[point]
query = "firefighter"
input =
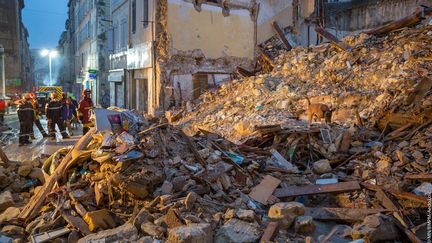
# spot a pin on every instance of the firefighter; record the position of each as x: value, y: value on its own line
x: 53, y: 114
x: 67, y: 113
x: 37, y: 112
x: 26, y: 117
x: 3, y: 107
x: 84, y: 107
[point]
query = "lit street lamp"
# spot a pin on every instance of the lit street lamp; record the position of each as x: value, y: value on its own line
x: 2, y: 73
x: 50, y: 54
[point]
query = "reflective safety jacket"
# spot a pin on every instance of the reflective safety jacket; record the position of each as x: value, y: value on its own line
x: 84, y: 107
x: 25, y: 112
x: 53, y: 110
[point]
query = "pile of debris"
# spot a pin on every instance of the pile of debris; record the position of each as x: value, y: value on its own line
x: 246, y: 169
x: 376, y: 77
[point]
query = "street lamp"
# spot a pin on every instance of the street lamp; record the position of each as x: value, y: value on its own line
x: 50, y: 54
x: 2, y: 73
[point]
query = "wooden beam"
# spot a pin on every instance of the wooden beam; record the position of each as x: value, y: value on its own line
x: 245, y: 73
x: 293, y: 191
x: 193, y: 149
x: 350, y: 215
x: 281, y: 35
x: 31, y: 209
x: 266, y: 57
x: 398, y: 24
x: 419, y: 177
x: 3, y: 157
x: 270, y: 232
x: 398, y: 194
x: 333, y: 39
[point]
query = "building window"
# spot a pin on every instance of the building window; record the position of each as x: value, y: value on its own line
x: 123, y: 33
x: 134, y: 15
x: 145, y: 13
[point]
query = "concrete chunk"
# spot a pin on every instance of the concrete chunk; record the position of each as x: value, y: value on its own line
x: 194, y: 233
x: 6, y: 201
x: 286, y: 212
x: 322, y: 166
x: 374, y: 228
x: 126, y: 231
x: 238, y: 231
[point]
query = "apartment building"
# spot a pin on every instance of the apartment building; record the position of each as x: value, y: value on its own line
x: 13, y: 37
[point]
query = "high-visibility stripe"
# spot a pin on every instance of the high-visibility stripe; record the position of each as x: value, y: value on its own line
x: 57, y: 90
x: 53, y: 108
x: 25, y: 109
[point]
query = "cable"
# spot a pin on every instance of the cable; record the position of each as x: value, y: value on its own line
x: 44, y: 12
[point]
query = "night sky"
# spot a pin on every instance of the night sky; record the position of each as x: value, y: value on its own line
x: 45, y: 21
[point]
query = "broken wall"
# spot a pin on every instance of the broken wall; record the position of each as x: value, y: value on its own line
x: 211, y: 32
x: 191, y: 42
x: 359, y: 15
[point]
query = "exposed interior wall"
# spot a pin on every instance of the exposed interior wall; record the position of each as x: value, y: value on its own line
x: 185, y: 88
x: 273, y: 10
x: 356, y: 15
x: 209, y: 31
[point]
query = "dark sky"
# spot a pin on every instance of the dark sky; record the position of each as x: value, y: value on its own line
x: 45, y: 21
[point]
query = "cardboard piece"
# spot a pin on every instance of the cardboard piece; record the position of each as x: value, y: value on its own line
x: 262, y: 192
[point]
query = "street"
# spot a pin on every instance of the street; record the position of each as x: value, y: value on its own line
x: 39, y: 147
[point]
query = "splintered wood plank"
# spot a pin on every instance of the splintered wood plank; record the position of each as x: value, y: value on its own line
x: 419, y: 177
x: 3, y: 157
x: 281, y: 35
x: 76, y: 222
x: 404, y: 22
x: 333, y: 39
x: 270, y: 232
x: 262, y: 192
x: 400, y: 195
x: 350, y: 215
x: 293, y: 191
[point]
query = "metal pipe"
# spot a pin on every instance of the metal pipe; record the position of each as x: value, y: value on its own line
x: 3, y: 71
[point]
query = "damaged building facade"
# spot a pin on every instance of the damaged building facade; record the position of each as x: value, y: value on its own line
x: 164, y: 53
x: 167, y: 52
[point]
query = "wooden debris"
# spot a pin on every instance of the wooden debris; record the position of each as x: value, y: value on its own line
x: 266, y: 57
x: 49, y: 235
x: 400, y: 195
x: 333, y: 39
x: 193, y: 149
x: 4, y: 157
x: 407, y: 21
x: 281, y: 35
x: 262, y: 192
x: 350, y: 215
x: 31, y: 209
x: 270, y: 232
x: 419, y: 177
x: 245, y: 73
x: 293, y: 191
x: 76, y: 222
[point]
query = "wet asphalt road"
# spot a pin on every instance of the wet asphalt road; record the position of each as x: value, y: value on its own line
x: 39, y: 147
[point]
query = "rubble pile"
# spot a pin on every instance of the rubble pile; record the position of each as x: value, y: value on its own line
x: 377, y: 76
x: 246, y: 169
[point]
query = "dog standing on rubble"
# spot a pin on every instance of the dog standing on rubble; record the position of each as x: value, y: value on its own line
x: 318, y: 111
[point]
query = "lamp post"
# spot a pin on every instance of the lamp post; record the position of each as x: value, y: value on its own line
x: 50, y: 54
x: 2, y: 73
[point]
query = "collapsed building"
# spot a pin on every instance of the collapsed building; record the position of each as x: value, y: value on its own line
x: 183, y: 48
x: 244, y: 166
